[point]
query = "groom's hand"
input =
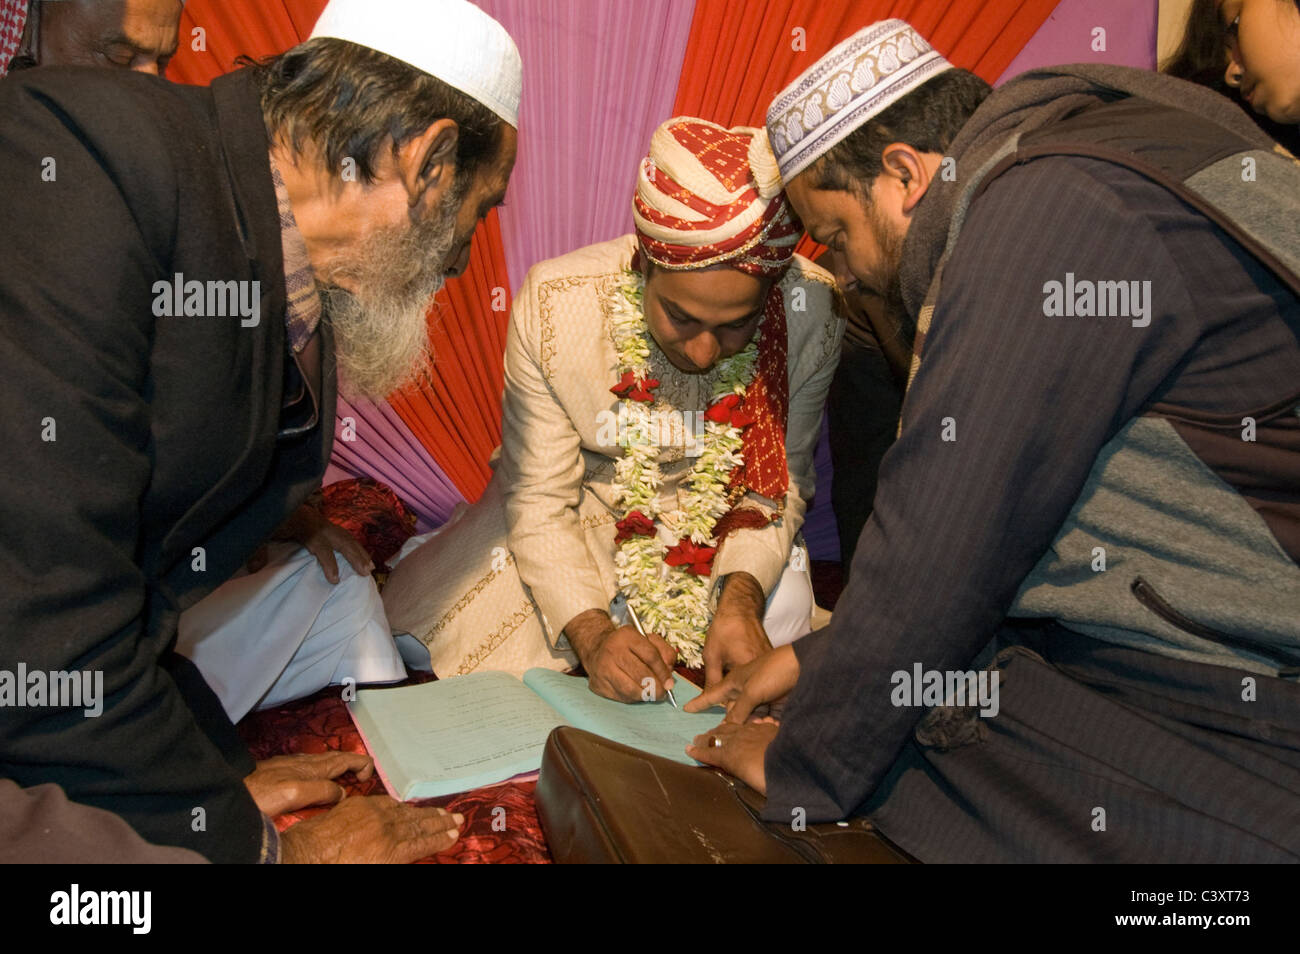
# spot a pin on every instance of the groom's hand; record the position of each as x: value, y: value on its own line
x: 621, y: 664
x: 736, y: 635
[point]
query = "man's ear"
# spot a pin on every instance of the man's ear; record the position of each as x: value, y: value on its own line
x: 428, y: 160
x: 641, y: 263
x: 908, y: 167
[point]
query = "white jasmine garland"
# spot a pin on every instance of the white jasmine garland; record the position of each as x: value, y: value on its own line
x: 670, y: 600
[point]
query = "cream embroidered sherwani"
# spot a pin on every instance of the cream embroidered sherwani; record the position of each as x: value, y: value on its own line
x: 495, y: 589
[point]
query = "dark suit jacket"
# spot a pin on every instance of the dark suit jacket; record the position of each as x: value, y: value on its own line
x: 165, y: 431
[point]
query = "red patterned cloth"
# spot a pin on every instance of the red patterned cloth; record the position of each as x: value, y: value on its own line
x: 13, y: 17
x: 765, y: 470
x: 321, y: 723
x: 372, y: 513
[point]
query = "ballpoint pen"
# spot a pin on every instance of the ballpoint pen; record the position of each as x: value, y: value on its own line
x: 637, y: 623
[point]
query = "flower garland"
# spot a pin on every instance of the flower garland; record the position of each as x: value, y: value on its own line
x: 668, y: 585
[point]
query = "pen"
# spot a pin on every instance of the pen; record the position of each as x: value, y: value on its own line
x: 637, y: 623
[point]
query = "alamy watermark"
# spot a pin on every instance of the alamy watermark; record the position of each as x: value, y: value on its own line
x: 664, y: 428
x: 75, y: 906
x: 81, y: 689
x: 930, y: 687
x: 179, y: 298
x: 1084, y: 298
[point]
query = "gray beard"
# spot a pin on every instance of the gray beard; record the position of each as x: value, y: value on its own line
x: 381, y: 335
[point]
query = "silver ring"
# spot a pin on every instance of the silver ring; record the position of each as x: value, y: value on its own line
x: 715, y: 742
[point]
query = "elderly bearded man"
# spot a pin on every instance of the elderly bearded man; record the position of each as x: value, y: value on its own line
x: 300, y: 618
x: 266, y: 636
x: 1102, y: 497
x: 662, y: 401
x: 167, y: 442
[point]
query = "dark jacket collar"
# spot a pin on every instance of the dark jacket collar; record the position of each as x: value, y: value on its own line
x: 246, y: 150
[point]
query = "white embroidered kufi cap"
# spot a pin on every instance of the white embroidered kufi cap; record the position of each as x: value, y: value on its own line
x: 452, y: 40
x: 855, y: 81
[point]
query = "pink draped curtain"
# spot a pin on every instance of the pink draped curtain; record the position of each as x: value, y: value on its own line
x: 598, y: 78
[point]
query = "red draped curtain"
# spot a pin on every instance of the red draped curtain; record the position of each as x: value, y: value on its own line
x: 457, y: 416
x: 234, y: 28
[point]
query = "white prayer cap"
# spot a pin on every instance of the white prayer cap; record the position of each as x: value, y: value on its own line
x: 855, y: 81
x: 452, y: 40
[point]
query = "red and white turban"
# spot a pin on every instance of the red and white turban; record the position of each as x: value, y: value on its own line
x: 712, y: 196
x: 13, y: 17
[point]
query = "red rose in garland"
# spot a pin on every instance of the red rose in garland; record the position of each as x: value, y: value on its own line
x: 719, y: 412
x: 696, y: 559
x: 635, y: 524
x: 730, y: 410
x: 627, y: 387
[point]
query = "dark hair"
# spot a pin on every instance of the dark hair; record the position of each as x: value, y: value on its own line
x: 1202, y: 58
x: 348, y: 100
x: 928, y: 119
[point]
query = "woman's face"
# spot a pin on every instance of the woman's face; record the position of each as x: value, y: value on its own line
x: 1263, y: 38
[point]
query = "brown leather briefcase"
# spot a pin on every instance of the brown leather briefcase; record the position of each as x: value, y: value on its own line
x: 602, y: 802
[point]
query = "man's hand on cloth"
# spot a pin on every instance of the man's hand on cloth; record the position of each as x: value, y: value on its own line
x: 738, y: 750
x: 371, y: 830
x: 736, y: 635
x: 619, y: 660
x: 287, y: 783
x: 310, y: 528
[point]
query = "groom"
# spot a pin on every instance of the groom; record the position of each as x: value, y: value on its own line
x: 663, y: 393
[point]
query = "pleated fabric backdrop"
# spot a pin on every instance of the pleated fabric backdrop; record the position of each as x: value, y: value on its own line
x: 599, y: 76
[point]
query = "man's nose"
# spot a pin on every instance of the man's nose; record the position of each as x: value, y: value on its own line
x: 834, y: 262
x: 703, y: 350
